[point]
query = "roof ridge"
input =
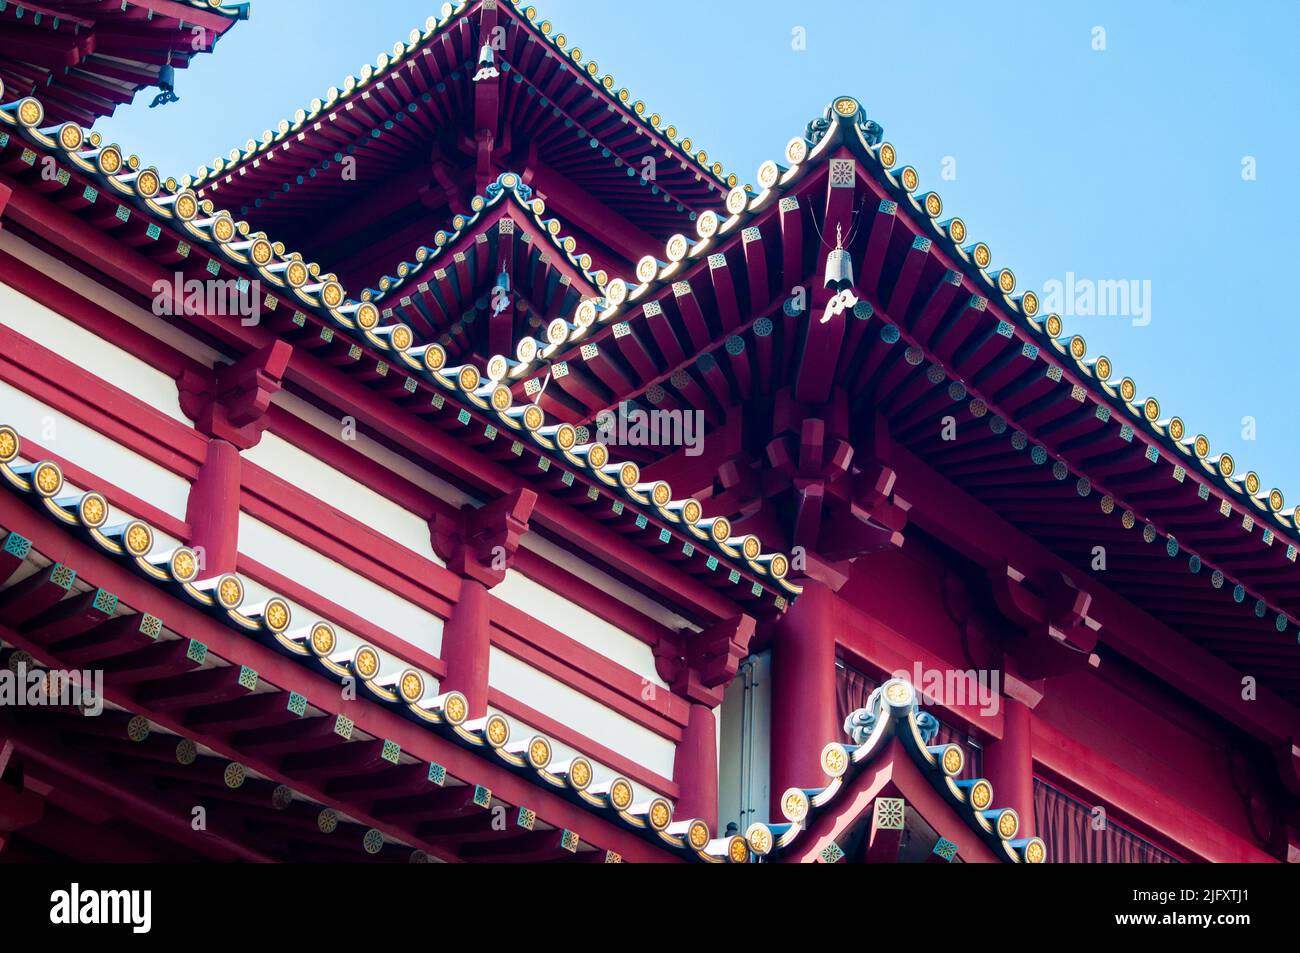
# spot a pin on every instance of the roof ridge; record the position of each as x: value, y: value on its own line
x: 507, y: 185
x: 385, y: 63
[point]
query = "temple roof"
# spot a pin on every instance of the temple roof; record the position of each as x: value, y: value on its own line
x: 86, y: 57
x: 893, y: 713
x: 314, y: 644
x: 482, y: 407
x: 428, y: 127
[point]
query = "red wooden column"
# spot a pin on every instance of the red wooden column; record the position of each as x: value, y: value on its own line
x: 229, y: 406
x: 1009, y: 761
x: 699, y: 667
x: 477, y: 545
x: 803, y: 691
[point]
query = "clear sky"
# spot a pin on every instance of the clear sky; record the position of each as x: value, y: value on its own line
x: 1129, y: 163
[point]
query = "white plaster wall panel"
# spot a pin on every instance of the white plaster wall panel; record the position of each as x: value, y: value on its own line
x: 572, y: 708
x: 354, y: 592
x: 342, y: 492
x: 579, y: 624
x: 624, y: 594
x: 110, y: 363
x: 394, y: 462
x: 92, y: 290
x: 99, y: 455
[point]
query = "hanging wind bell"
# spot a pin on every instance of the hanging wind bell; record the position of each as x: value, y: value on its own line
x: 839, y: 267
x: 486, y: 64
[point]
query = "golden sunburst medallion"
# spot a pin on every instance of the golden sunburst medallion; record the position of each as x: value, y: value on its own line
x: 1103, y: 368
x: 794, y: 805
x: 468, y: 378
x: 1151, y: 409
x: 1227, y: 466
x: 898, y: 692
x: 187, y: 206
x: 706, y: 226
x: 1035, y: 851
x: 1252, y: 482
x: 109, y: 160
x: 502, y: 397
x: 497, y: 731
x: 435, y: 357
x: 184, y: 565
x: 646, y: 269
x: 1054, y: 325
x: 1008, y: 824
x: 276, y: 616
x: 737, y: 850
x: 234, y: 775
x: 779, y: 566
x: 751, y: 547
x: 597, y: 456
x: 737, y: 199
x: 367, y: 316
x: 1177, y: 428
x: 332, y: 294
x: 47, y: 478
x: 759, y: 836
x: 1128, y: 389
x: 909, y: 178
x: 981, y: 795
x: 71, y: 136
x: 401, y: 337
x: 846, y: 106
x: 953, y: 760
x: 9, y: 444
x: 230, y: 591
x: 323, y: 639
x: 661, y: 493
x: 296, y: 274
x: 138, y: 538
x: 535, y: 417
x: 411, y: 685
x: 1029, y: 303
x: 147, y: 183
x: 933, y: 204
x: 365, y: 662
x: 629, y: 474
x: 721, y: 529
x: 456, y: 708
x: 92, y: 510
x: 327, y: 821
x: 223, y: 228
x: 698, y: 834
x: 888, y: 155
x: 957, y: 230
x: 835, y: 759
x: 137, y: 729
x: 1128, y: 519
x: 620, y: 794
x: 1078, y: 347
x: 31, y: 112
x: 1276, y: 500
x: 660, y: 814
x: 982, y: 255
x: 539, y: 752
x: 580, y: 772
x: 261, y: 252
x: 692, y: 512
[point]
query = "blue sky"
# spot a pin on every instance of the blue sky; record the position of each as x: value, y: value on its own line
x: 1117, y: 164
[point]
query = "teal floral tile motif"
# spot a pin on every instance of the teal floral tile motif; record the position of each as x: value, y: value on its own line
x: 526, y: 819
x: 482, y: 796
x: 437, y: 774
x: 392, y: 751
x: 343, y: 727
x: 297, y: 704
x: 569, y: 841
x: 831, y: 853
x: 247, y: 678
x: 945, y: 849
x: 197, y: 652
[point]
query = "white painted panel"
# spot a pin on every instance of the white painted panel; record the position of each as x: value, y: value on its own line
x: 579, y: 624
x: 375, y: 451
x: 585, y: 715
x: 345, y: 494
x: 70, y: 340
x: 340, y: 585
x: 100, y: 456
x: 606, y: 583
x: 92, y: 290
